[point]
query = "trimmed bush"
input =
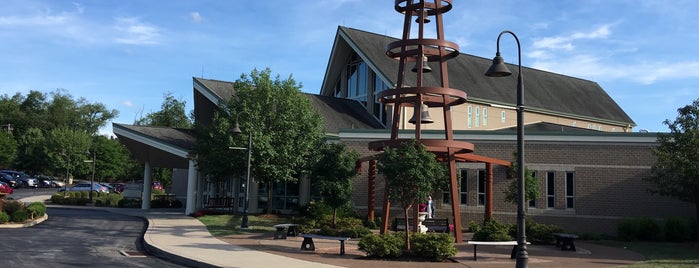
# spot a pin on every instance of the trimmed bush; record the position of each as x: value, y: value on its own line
x: 434, y: 247
x: 4, y: 218
x: 388, y: 245
x: 36, y: 209
x: 348, y: 227
x: 19, y: 216
x: 677, y: 229
x: 493, y: 231
x: 644, y: 229
x: 12, y: 206
x: 541, y: 233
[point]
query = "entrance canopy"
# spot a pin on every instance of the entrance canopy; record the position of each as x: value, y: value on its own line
x: 160, y: 146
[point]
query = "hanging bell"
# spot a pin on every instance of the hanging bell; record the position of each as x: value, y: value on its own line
x: 424, y: 115
x: 425, y: 67
x: 425, y: 17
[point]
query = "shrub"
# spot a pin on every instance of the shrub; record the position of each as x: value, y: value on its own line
x: 639, y: 229
x: 388, y: 245
x: 677, y: 229
x: 130, y: 203
x: 57, y: 198
x: 4, y: 218
x: 12, y: 206
x: 493, y: 231
x: 541, y: 233
x: 348, y: 227
x: 114, y: 198
x: 435, y: 247
x: 36, y: 209
x: 19, y: 216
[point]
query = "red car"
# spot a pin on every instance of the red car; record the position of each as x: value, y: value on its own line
x: 5, y: 188
x: 157, y: 185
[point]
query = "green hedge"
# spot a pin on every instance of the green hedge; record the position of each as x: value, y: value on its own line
x: 672, y: 229
x: 36, y: 209
x: 4, y: 218
x: 430, y: 247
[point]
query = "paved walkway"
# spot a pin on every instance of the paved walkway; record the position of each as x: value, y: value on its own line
x: 172, y: 235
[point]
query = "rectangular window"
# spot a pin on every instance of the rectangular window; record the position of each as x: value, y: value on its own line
x: 468, y: 116
x: 532, y: 203
x: 478, y: 116
x: 463, y: 188
x: 550, y: 189
x: 502, y: 116
x: 485, y: 116
x: 570, y: 190
x: 481, y: 187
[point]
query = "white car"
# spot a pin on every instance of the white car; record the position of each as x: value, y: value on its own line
x: 86, y: 187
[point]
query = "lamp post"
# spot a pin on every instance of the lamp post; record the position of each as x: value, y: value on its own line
x: 498, y: 69
x: 248, y: 149
x: 92, y: 179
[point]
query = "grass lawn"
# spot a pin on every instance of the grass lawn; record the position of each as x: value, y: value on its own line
x: 223, y: 225
x: 661, y: 254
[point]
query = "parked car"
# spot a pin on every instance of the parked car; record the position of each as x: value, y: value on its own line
x: 117, y: 187
x: 56, y: 183
x: 9, y: 180
x: 23, y: 179
x: 6, y: 188
x: 86, y: 187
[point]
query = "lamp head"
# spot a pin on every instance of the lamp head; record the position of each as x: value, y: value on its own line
x: 236, y: 129
x: 498, y: 69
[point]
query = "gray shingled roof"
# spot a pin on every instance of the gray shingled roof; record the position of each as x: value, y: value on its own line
x: 337, y: 113
x: 550, y: 92
x: 340, y: 113
x: 182, y: 138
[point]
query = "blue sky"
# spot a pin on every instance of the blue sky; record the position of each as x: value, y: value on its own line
x: 127, y: 54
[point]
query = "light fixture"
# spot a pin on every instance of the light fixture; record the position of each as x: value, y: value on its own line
x: 424, y: 115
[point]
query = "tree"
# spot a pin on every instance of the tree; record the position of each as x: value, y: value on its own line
x: 8, y: 149
x: 283, y: 125
x: 531, y: 185
x: 172, y: 114
x: 113, y: 159
x: 676, y: 173
x: 332, y: 175
x: 66, y: 149
x: 411, y: 173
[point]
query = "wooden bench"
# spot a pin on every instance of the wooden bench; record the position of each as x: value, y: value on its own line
x: 308, y: 244
x: 220, y: 202
x: 284, y: 230
x: 565, y: 241
x: 475, y: 244
x: 437, y: 225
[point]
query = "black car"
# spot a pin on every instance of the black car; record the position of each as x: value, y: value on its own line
x: 22, y: 179
x: 7, y: 178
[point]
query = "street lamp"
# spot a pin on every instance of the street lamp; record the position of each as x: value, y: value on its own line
x: 236, y: 130
x: 498, y: 69
x: 92, y: 179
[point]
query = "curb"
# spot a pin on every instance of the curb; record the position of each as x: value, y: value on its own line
x: 26, y: 224
x: 154, y: 250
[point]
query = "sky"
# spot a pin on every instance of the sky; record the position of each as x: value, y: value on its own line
x: 128, y: 54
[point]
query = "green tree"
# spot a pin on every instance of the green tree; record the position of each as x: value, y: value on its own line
x: 411, y: 173
x: 67, y: 150
x: 8, y: 149
x: 532, y: 189
x: 676, y: 173
x: 31, y: 151
x: 283, y: 125
x: 332, y: 175
x: 172, y: 114
x: 113, y: 159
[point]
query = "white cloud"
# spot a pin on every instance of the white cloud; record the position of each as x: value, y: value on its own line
x: 196, y: 17
x: 134, y: 32
x: 566, y: 42
x: 127, y: 103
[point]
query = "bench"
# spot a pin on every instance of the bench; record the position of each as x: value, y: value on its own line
x: 433, y: 225
x: 220, y: 202
x: 437, y: 225
x: 494, y: 243
x: 565, y: 241
x: 308, y: 244
x: 284, y: 230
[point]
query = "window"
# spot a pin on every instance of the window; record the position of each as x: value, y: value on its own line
x: 463, y: 188
x: 532, y: 203
x: 481, y: 187
x: 485, y: 116
x: 502, y: 116
x: 285, y: 195
x: 570, y: 190
x: 380, y: 109
x: 338, y: 89
x: 357, y: 80
x: 468, y: 116
x: 550, y: 189
x: 478, y: 116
